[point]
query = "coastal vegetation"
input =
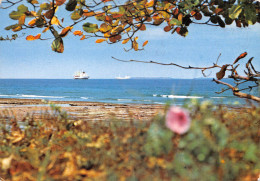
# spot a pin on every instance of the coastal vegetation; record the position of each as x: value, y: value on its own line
x: 212, y: 143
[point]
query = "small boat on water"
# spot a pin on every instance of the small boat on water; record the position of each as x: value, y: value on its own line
x: 81, y: 75
x: 125, y: 77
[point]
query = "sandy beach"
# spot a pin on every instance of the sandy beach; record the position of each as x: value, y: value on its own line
x: 80, y: 110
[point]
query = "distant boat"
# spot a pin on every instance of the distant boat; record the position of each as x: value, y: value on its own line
x: 125, y: 77
x: 81, y: 75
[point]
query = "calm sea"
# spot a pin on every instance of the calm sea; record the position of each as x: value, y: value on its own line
x: 144, y: 91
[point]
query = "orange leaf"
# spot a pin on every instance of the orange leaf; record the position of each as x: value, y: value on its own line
x: 100, y: 40
x: 65, y: 31
x: 18, y: 28
x: 218, y: 10
x: 87, y: 13
x: 176, y: 11
x: 105, y: 1
x: 193, y: 13
x: 114, y: 16
x: 46, y: 29
x: 243, y: 55
x: 125, y: 41
x: 180, y: 17
x: 83, y: 37
x: 32, y: 22
x: 142, y: 27
x: 31, y: 37
x: 60, y: 2
x: 149, y: 4
x: 78, y: 32
x: 145, y: 43
x: 37, y: 36
x: 167, y: 28
x: 21, y: 20
x: 112, y: 39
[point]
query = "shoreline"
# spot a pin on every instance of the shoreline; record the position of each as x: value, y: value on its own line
x: 81, y: 109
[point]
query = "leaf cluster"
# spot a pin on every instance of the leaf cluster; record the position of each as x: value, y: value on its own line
x: 113, y: 22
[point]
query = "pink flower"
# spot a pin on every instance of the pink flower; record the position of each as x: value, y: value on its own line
x: 178, y: 120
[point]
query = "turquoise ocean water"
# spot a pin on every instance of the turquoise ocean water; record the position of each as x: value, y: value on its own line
x: 144, y: 91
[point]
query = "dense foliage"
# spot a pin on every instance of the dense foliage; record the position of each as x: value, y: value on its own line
x: 114, y: 21
x: 221, y: 144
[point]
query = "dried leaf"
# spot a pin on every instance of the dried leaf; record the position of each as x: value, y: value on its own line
x: 222, y: 71
x: 167, y: 28
x: 60, y: 2
x: 135, y: 45
x: 145, y: 43
x: 243, y: 55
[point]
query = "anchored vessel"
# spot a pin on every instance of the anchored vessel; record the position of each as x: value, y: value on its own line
x: 125, y: 77
x: 81, y: 75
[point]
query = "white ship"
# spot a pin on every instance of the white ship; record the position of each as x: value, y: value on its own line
x: 81, y: 75
x: 125, y: 77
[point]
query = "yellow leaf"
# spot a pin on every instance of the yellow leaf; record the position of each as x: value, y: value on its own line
x: 55, y: 21
x: 100, y: 40
x: 180, y: 17
x: 125, y: 41
x: 145, y: 43
x: 128, y: 29
x: 136, y: 38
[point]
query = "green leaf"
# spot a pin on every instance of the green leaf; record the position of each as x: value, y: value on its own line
x: 57, y: 45
x: 235, y: 11
x: 22, y: 8
x: 45, y: 6
x: 11, y: 27
x: 175, y: 22
x: 250, y: 14
x: 90, y: 28
x: 250, y: 153
x: 75, y: 15
x: 15, y: 15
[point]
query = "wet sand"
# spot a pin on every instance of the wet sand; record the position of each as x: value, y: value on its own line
x: 80, y: 110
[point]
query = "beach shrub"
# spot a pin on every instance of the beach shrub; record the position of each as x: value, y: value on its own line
x: 221, y: 144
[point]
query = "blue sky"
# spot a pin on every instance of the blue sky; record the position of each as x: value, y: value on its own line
x: 35, y: 59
